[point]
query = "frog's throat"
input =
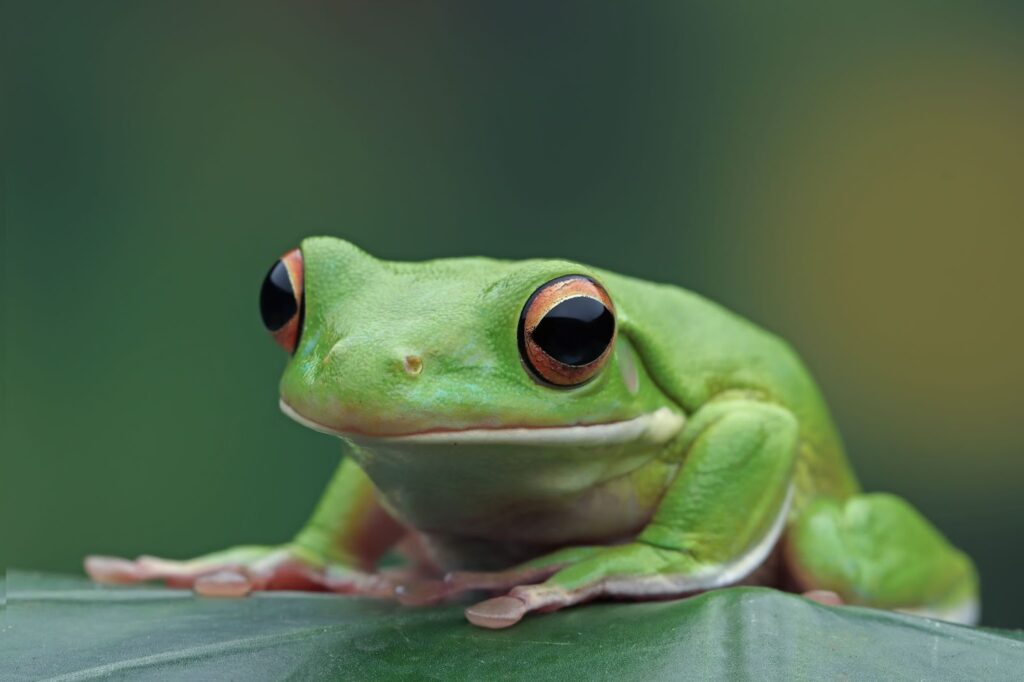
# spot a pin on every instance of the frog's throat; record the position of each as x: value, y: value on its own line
x: 658, y: 426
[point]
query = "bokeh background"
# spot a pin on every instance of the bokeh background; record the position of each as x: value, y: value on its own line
x: 849, y: 177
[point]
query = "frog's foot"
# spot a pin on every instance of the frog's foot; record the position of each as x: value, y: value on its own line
x: 238, y: 571
x: 414, y: 591
x: 420, y: 592
x: 876, y: 550
x: 636, y: 571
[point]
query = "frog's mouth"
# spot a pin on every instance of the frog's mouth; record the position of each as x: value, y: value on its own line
x: 655, y: 427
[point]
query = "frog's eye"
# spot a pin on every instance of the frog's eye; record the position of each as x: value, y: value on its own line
x: 566, y: 330
x: 281, y: 300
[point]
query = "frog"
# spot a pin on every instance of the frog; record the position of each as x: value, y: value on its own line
x: 542, y: 433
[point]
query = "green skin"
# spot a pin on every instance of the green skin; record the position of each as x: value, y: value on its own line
x: 701, y: 455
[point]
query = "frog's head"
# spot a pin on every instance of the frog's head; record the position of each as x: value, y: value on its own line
x: 467, y: 348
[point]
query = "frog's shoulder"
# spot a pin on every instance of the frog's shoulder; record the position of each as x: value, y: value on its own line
x: 697, y: 349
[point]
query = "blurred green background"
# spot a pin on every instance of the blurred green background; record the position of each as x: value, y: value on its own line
x: 851, y: 178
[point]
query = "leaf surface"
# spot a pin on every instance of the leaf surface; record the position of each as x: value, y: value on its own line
x: 59, y: 627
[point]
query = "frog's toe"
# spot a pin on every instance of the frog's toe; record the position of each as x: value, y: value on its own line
x: 418, y: 591
x: 176, y: 573
x: 826, y: 597
x: 497, y: 613
x: 505, y: 611
x: 112, y: 570
x: 115, y: 570
x: 466, y: 581
x: 184, y: 574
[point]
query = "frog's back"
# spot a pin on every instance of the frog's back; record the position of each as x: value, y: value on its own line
x: 698, y: 349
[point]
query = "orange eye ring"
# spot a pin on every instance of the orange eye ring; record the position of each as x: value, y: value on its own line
x: 567, y: 330
x: 281, y: 300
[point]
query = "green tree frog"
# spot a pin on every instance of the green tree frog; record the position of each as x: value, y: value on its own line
x: 551, y: 433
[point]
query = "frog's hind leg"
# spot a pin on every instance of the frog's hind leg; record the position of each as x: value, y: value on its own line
x: 877, y: 550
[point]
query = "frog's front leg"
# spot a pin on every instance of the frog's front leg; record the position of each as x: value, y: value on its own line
x: 336, y: 550
x: 718, y: 521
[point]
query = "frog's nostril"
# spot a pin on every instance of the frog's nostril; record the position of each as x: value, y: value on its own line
x: 413, y: 365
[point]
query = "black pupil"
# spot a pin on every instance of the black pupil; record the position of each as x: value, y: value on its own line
x: 277, y: 299
x: 576, y: 331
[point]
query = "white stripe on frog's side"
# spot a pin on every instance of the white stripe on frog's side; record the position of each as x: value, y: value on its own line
x: 655, y: 427
x: 721, y: 575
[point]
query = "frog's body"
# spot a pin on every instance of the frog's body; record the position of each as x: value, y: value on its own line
x: 695, y: 450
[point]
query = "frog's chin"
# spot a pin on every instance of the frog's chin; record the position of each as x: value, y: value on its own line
x: 658, y: 426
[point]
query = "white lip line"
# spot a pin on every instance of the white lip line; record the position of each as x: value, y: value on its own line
x: 655, y: 427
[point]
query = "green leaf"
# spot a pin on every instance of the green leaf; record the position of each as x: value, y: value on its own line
x: 66, y: 628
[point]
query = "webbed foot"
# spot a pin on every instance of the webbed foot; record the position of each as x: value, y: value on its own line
x: 634, y: 570
x: 238, y: 571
